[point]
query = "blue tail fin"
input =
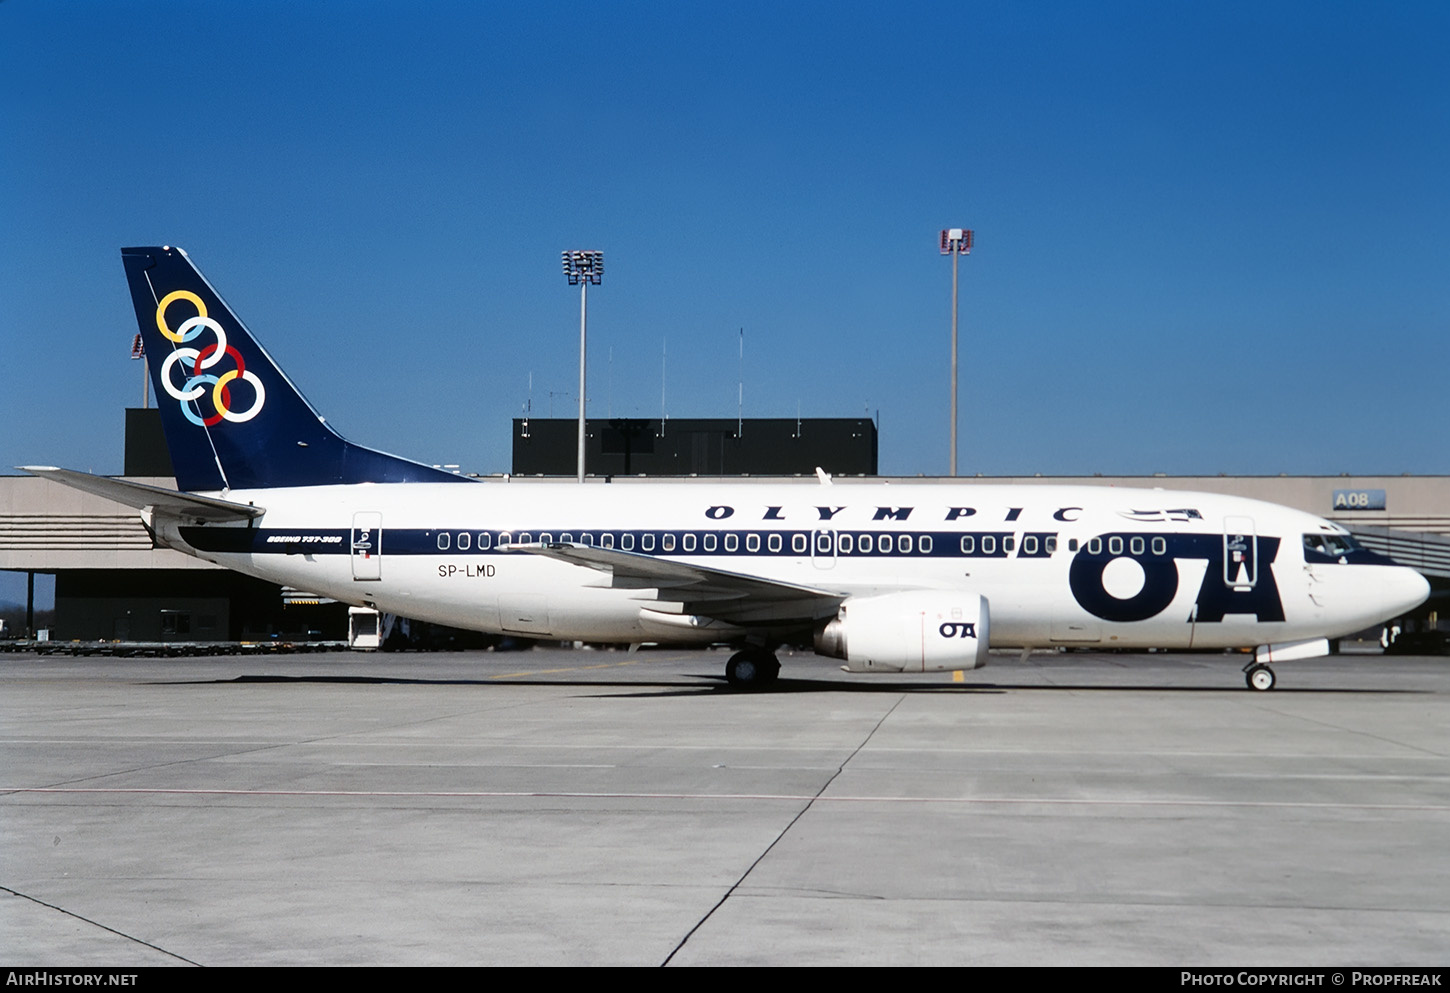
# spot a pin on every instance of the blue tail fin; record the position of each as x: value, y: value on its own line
x: 232, y: 419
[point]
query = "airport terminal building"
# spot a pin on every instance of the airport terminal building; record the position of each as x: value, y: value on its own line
x: 113, y: 583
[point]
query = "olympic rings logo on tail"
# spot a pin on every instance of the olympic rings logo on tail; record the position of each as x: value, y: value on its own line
x: 194, y: 360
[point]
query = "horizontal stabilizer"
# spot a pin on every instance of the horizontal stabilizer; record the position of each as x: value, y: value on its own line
x: 161, y: 501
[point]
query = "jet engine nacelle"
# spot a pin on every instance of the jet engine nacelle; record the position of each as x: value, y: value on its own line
x: 917, y: 631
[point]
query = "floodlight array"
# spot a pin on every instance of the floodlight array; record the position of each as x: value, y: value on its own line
x: 956, y: 241
x: 583, y: 266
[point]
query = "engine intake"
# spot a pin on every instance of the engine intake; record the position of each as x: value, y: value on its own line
x: 916, y: 631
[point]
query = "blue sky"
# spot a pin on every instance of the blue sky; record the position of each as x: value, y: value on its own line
x: 1211, y: 237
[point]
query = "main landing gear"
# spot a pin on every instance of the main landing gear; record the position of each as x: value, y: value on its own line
x: 1259, y: 676
x: 752, y: 669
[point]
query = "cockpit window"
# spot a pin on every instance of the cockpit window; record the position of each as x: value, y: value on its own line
x: 1328, y: 547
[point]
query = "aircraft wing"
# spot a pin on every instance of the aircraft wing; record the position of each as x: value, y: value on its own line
x: 160, y: 501
x: 736, y: 598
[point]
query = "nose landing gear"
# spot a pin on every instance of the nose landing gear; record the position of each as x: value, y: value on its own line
x: 1258, y: 676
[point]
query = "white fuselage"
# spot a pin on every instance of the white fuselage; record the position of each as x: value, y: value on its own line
x: 1058, y: 565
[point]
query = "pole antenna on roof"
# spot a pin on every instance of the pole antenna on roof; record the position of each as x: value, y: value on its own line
x: 740, y: 397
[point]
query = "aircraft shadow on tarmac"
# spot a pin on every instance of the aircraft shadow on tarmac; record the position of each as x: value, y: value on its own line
x: 709, y: 684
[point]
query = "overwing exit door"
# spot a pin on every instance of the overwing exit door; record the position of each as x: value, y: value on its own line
x: 823, y: 548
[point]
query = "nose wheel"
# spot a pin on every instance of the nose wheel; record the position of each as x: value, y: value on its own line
x: 1259, y: 677
x: 752, y: 669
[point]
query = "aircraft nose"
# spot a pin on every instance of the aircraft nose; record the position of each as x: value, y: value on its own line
x: 1404, y: 590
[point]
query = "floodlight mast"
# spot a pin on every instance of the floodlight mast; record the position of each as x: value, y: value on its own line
x: 583, y: 268
x: 955, y: 242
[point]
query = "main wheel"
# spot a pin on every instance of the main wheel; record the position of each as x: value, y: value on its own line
x: 752, y: 669
x: 1259, y: 677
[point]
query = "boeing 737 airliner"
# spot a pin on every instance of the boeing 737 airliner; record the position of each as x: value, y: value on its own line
x: 889, y: 578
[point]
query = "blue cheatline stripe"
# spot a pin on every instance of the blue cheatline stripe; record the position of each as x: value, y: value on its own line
x: 842, y: 543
